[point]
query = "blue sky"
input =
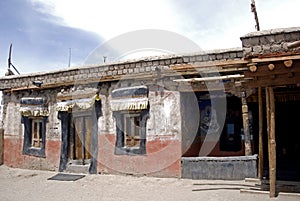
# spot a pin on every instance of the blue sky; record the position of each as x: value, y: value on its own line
x: 42, y: 31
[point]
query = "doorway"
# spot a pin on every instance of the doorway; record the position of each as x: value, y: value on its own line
x: 288, y: 140
x: 80, y: 141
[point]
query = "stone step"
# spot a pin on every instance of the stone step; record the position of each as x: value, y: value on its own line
x: 84, y: 169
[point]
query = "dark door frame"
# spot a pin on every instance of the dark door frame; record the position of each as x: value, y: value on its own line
x: 65, y: 118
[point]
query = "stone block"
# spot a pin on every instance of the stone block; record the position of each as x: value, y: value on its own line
x: 271, y: 39
x: 219, y: 56
x: 279, y: 38
x: 226, y: 56
x: 248, y: 50
x: 263, y: 40
x: 142, y: 70
x: 179, y: 60
x: 192, y: 59
x: 276, y: 48
x: 161, y: 62
x: 155, y: 63
x: 257, y: 49
x: 228, y: 168
x: 232, y: 55
x: 290, y: 37
x: 186, y: 59
x: 148, y: 69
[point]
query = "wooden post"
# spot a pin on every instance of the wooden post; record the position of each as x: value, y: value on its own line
x: 248, y: 149
x: 271, y: 139
x: 260, y: 133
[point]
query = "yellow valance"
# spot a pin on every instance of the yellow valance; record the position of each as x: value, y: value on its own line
x: 34, y: 106
x: 83, y: 104
x: 130, y: 98
x: 129, y: 104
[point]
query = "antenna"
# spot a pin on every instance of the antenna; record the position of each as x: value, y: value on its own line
x: 70, y: 53
x: 253, y: 9
x: 10, y: 63
x: 104, y: 58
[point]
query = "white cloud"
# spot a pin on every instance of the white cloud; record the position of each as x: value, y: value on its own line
x: 209, y: 25
x: 113, y: 17
x: 278, y: 14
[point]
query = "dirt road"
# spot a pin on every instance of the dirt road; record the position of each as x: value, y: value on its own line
x: 34, y: 185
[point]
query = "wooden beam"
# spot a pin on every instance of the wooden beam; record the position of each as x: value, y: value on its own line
x: 294, y: 44
x: 228, y: 63
x: 260, y: 134
x: 265, y: 70
x: 271, y: 139
x: 272, y: 59
x: 203, y: 79
x: 280, y: 80
x: 288, y: 63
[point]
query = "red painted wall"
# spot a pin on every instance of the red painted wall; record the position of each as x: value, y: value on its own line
x: 13, y: 156
x: 194, y: 149
x: 163, y: 158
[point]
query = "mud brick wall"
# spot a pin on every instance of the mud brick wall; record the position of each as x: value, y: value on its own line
x: 115, y: 71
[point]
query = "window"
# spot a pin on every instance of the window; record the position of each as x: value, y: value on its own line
x: 36, y: 133
x: 130, y: 108
x: 132, y: 130
x: 34, y: 113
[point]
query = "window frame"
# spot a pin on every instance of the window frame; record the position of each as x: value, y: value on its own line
x: 121, y: 147
x: 28, y: 148
x: 132, y: 132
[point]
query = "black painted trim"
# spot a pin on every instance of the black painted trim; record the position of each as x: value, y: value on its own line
x: 94, y: 148
x: 120, y: 148
x: 27, y: 148
x: 65, y: 118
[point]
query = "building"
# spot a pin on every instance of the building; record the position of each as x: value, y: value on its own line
x: 200, y: 115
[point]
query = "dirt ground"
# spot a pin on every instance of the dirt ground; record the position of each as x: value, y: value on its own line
x: 33, y: 185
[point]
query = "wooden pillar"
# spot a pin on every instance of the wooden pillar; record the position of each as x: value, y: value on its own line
x: 248, y: 149
x: 271, y: 139
x: 260, y: 134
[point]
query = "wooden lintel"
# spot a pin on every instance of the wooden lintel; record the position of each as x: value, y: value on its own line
x: 280, y: 80
x: 263, y: 70
x: 272, y: 59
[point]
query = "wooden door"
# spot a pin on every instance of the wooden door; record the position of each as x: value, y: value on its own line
x: 81, y: 138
